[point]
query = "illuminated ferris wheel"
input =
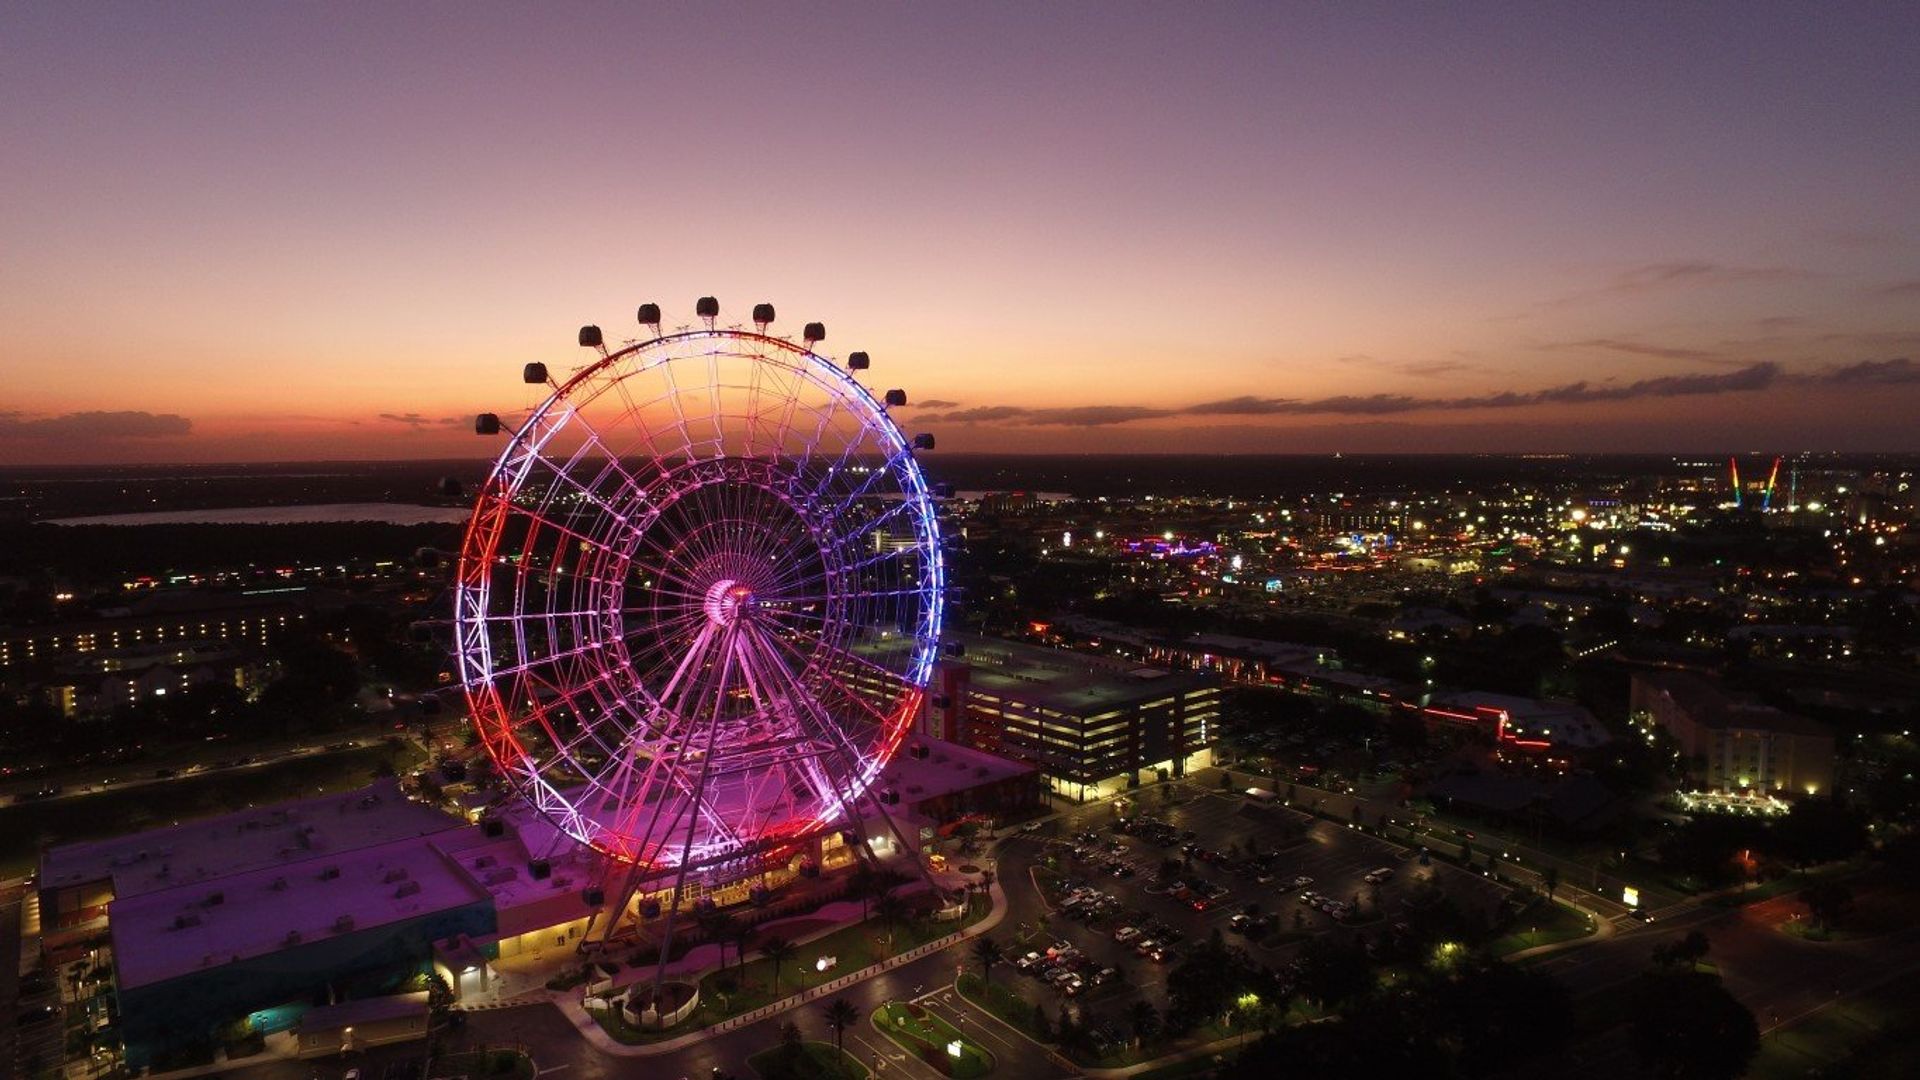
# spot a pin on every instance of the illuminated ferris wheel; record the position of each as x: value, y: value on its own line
x: 700, y: 594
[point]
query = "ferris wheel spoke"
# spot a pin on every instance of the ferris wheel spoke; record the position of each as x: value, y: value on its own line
x: 678, y: 597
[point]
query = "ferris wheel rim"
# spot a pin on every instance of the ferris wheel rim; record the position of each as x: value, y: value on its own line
x: 491, y: 514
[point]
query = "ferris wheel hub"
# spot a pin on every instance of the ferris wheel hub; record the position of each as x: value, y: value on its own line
x: 727, y: 602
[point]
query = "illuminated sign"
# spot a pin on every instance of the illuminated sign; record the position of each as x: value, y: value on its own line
x: 1630, y: 896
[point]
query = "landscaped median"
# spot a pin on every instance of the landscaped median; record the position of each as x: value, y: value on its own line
x: 807, y: 1061
x: 1543, y: 924
x: 484, y: 1065
x: 738, y: 989
x: 933, y: 1040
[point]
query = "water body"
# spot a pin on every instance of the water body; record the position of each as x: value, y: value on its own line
x: 382, y: 512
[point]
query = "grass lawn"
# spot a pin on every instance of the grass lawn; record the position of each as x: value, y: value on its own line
x: 815, y: 1061
x: 1867, y: 1036
x: 24, y: 827
x: 1000, y: 1000
x: 485, y: 1065
x: 1543, y: 925
x: 929, y: 1038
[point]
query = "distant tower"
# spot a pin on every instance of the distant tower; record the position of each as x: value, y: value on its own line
x: 1733, y: 467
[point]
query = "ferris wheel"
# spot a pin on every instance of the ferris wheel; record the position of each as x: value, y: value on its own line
x: 700, y: 594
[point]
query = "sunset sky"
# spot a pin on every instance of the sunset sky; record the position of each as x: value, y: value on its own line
x: 300, y: 231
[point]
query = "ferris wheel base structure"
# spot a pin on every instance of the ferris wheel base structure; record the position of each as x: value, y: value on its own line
x: 697, y: 607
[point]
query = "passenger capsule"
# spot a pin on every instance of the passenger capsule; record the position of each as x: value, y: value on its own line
x: 486, y: 424
x: 896, y: 398
x: 814, y: 332
x: 650, y: 315
x: 707, y: 307
x: 762, y: 314
x: 858, y: 361
x: 534, y: 373
x: 589, y: 337
x: 923, y: 441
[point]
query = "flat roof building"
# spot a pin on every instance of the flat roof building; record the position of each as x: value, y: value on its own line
x: 270, y: 912
x: 1090, y: 724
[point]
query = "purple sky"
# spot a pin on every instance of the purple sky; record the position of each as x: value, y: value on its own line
x: 245, y: 231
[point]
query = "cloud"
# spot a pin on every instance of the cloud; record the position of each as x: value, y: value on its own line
x: 1097, y: 415
x: 95, y: 425
x: 1897, y: 372
x: 1421, y: 368
x: 1634, y: 348
x: 981, y: 414
x: 936, y: 403
x: 1747, y: 379
x: 1682, y: 273
x: 1899, y: 288
x: 420, y: 423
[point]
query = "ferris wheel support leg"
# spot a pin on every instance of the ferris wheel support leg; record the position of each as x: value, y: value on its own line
x: 729, y: 656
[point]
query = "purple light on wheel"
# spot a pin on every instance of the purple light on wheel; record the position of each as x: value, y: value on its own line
x: 699, y: 599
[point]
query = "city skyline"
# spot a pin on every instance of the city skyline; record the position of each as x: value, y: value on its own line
x: 244, y: 234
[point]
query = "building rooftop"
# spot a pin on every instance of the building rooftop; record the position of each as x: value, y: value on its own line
x: 1077, y: 684
x: 167, y: 933
x: 946, y: 768
x: 213, y: 848
x: 1710, y: 705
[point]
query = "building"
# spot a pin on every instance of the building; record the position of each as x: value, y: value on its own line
x: 1733, y: 745
x: 316, y: 916
x: 254, y: 619
x: 261, y: 913
x: 1090, y: 724
x: 1559, y: 727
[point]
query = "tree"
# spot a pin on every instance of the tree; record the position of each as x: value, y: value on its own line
x: 1551, y: 879
x: 777, y: 950
x: 720, y: 929
x: 792, y: 1044
x: 1819, y: 830
x: 864, y: 883
x: 1334, y: 971
x: 891, y: 911
x: 1688, y: 950
x: 1685, y: 1026
x: 1144, y: 1019
x: 986, y: 953
x: 841, y: 1015
x: 1226, y: 781
x: 1827, y: 901
x: 1466, y: 853
x: 743, y: 933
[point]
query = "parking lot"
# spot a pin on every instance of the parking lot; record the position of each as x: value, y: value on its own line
x: 1123, y: 911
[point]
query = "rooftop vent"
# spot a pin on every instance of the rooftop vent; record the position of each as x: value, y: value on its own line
x: 343, y: 924
x: 330, y: 873
x: 181, y: 922
x: 398, y: 873
x: 406, y: 889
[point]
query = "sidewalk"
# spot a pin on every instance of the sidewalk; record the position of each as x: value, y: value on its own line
x: 571, y: 1008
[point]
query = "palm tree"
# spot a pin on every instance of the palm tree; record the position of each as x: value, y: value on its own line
x: 891, y: 911
x: 743, y: 935
x: 776, y: 950
x: 863, y: 883
x: 721, y: 929
x: 841, y: 1015
x: 986, y: 953
x: 1144, y: 1019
